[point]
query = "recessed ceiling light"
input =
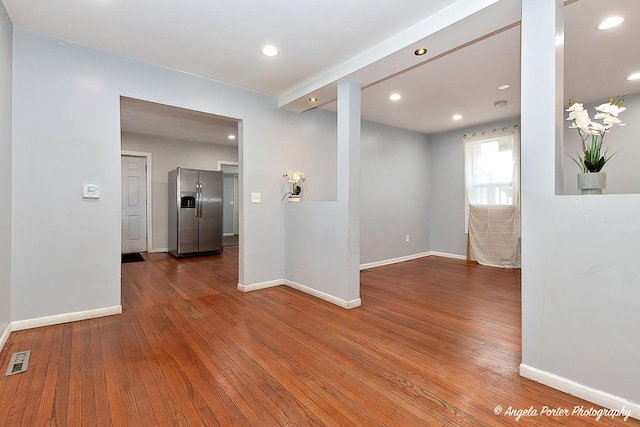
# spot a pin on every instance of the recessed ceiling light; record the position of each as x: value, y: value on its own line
x: 456, y: 117
x: 634, y: 76
x: 610, y: 22
x: 232, y: 137
x: 395, y: 96
x: 312, y: 99
x: 420, y: 52
x: 504, y: 87
x: 501, y: 103
x: 270, y: 50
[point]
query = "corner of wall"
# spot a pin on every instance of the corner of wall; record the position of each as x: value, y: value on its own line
x: 6, y: 170
x: 5, y: 331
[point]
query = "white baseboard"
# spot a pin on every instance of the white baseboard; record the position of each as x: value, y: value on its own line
x: 579, y: 390
x: 4, y: 336
x: 19, y: 325
x: 157, y: 250
x: 329, y: 298
x: 393, y: 260
x: 448, y: 255
x: 261, y: 285
x: 409, y: 258
x: 302, y: 288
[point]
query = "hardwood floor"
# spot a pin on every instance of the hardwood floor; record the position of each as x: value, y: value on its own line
x: 435, y: 342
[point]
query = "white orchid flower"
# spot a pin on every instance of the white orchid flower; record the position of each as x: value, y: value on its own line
x: 611, y: 120
x: 612, y: 109
x: 597, y: 127
x: 294, y: 177
x: 578, y: 115
x: 576, y: 107
x: 580, y: 120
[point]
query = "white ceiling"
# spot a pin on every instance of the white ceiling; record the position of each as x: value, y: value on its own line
x: 331, y: 39
x: 149, y: 118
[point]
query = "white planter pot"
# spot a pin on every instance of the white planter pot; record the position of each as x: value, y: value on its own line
x: 592, y: 182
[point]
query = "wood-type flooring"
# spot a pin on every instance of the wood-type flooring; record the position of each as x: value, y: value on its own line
x: 436, y: 342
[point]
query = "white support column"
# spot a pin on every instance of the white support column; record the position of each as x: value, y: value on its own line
x: 348, y: 151
x: 541, y: 56
x: 580, y: 293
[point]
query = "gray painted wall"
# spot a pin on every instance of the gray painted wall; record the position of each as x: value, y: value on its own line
x: 322, y: 238
x: 73, y: 93
x: 6, y: 30
x: 580, y: 275
x: 168, y: 154
x: 314, y: 154
x: 395, y: 177
x: 311, y: 235
x: 447, y: 187
x: 623, y: 173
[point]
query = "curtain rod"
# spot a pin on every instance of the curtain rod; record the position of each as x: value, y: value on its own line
x: 493, y: 131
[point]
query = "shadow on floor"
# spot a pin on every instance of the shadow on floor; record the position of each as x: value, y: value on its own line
x: 230, y: 240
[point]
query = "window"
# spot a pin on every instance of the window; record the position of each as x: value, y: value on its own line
x: 492, y: 171
x: 492, y: 208
x: 489, y: 171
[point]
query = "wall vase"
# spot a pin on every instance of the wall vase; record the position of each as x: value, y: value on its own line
x: 592, y: 182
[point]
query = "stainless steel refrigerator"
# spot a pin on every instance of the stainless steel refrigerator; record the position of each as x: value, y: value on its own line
x: 195, y: 212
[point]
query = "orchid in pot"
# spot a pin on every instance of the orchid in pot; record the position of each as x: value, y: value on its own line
x: 593, y: 157
x: 294, y: 178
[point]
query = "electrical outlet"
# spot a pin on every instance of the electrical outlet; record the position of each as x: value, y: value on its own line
x: 406, y: 238
x: 256, y: 198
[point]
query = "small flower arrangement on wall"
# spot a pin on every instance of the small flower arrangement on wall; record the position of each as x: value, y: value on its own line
x: 294, y: 178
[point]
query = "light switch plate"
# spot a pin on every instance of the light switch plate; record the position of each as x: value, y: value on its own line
x: 256, y: 198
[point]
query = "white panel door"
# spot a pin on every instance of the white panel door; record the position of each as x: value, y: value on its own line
x: 134, y: 204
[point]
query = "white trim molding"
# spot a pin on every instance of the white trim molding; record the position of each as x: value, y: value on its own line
x: 448, y: 255
x: 20, y: 325
x: 226, y: 163
x: 302, y: 288
x: 4, y: 336
x: 409, y: 258
x: 260, y: 285
x: 393, y: 260
x: 573, y: 388
x: 323, y: 296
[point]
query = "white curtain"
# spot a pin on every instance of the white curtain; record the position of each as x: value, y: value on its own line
x: 492, y: 191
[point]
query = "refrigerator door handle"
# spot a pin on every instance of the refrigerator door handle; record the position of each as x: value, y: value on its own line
x: 198, y: 200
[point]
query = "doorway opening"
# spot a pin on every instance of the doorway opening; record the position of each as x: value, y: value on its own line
x: 175, y: 137
x: 230, y: 202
